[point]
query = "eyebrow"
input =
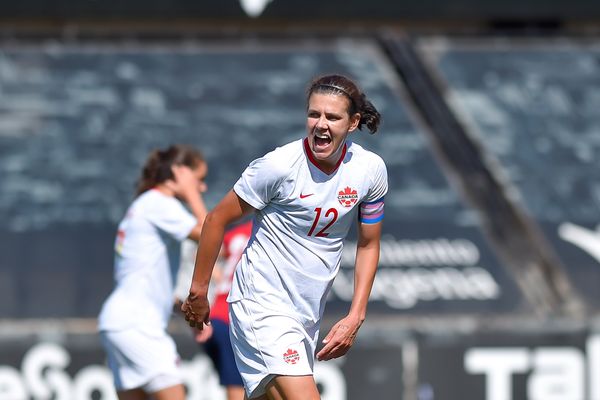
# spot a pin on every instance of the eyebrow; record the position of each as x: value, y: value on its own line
x: 310, y: 110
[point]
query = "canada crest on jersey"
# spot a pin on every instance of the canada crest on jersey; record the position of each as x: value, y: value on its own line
x: 347, y: 197
x: 291, y: 356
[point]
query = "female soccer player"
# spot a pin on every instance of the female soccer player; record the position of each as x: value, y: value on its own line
x: 134, y: 318
x: 305, y: 196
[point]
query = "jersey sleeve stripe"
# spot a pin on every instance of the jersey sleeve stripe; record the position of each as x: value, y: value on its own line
x: 371, y: 220
x: 371, y: 207
x: 371, y: 213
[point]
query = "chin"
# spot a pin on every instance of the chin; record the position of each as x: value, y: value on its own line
x: 322, y: 156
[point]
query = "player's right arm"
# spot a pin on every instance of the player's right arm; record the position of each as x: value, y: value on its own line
x: 230, y: 209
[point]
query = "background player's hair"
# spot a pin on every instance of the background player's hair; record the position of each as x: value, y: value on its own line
x: 339, y: 84
x: 157, y: 168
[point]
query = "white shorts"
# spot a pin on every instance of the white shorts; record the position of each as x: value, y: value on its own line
x: 142, y: 359
x: 267, y: 344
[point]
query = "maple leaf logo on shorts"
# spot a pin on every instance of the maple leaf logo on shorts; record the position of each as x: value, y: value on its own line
x: 347, y: 197
x: 291, y: 356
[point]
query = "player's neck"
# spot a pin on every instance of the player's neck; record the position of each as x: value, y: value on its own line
x: 164, y: 189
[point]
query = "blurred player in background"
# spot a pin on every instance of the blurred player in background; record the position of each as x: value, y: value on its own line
x: 134, y: 318
x: 305, y: 196
x: 215, y: 336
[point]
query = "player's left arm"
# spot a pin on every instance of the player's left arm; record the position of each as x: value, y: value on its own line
x: 341, y: 336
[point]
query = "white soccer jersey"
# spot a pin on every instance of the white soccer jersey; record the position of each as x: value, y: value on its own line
x: 147, y: 257
x: 303, y: 217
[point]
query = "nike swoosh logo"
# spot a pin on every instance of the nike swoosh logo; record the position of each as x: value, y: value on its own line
x: 303, y: 196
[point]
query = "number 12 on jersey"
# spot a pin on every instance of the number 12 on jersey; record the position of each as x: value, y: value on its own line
x: 330, y: 215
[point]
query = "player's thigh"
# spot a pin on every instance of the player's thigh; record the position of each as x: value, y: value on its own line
x: 286, y: 387
x: 133, y: 394
x: 176, y: 392
x: 235, y: 392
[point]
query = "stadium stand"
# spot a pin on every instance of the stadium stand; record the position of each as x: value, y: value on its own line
x: 531, y: 105
x: 73, y: 108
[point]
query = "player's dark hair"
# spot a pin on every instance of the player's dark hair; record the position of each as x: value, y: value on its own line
x: 341, y: 85
x: 157, y: 168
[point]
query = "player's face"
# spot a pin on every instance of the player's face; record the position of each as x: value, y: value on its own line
x: 328, y: 124
x: 200, y: 173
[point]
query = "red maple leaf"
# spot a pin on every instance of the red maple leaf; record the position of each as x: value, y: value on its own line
x: 347, y: 190
x: 291, y: 356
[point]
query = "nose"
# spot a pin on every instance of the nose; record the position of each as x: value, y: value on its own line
x: 321, y: 123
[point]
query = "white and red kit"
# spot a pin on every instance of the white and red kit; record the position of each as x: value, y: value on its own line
x: 303, y: 216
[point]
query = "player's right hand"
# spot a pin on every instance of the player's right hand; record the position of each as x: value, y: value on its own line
x: 196, y: 311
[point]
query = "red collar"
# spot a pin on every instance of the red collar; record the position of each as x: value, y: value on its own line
x: 314, y: 161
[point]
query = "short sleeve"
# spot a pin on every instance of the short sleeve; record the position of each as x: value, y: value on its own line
x: 172, y: 217
x: 379, y: 181
x: 371, y: 209
x: 259, y: 182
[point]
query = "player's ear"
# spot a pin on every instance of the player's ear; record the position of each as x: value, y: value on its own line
x: 354, y: 121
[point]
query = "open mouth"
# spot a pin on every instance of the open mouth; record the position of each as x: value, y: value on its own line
x: 322, y: 140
